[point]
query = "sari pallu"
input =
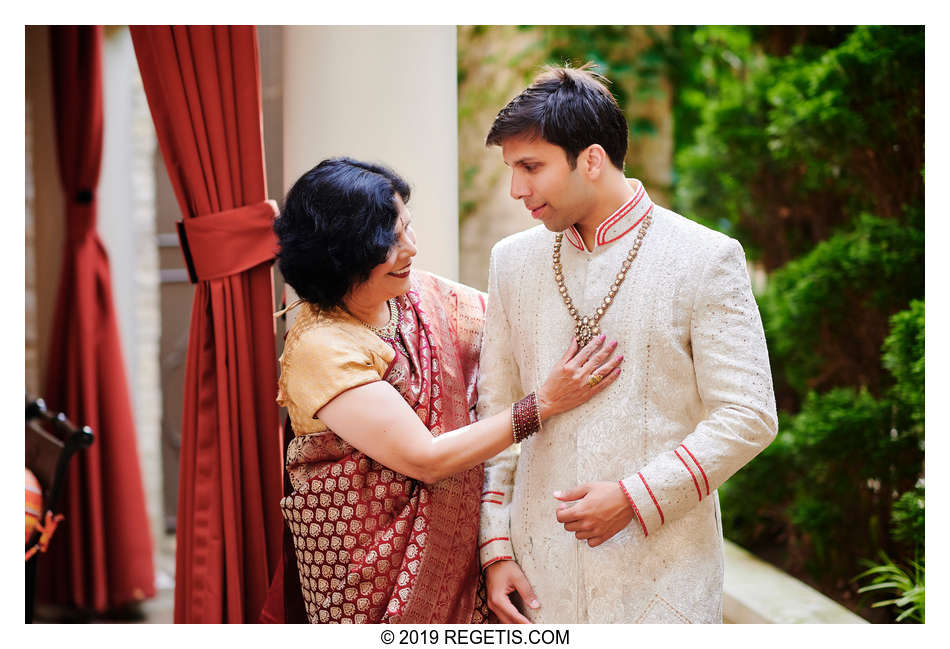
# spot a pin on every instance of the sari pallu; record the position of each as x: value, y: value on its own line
x: 373, y: 545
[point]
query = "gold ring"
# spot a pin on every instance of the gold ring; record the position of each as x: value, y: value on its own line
x: 594, y: 379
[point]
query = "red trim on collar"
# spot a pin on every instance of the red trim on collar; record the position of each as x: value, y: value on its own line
x: 625, y: 209
x: 628, y: 229
x: 609, y: 223
x: 574, y: 238
x: 600, y: 236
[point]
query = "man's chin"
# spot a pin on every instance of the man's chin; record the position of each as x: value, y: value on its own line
x: 554, y: 227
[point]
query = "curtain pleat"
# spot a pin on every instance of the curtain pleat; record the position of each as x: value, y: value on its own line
x: 203, y: 89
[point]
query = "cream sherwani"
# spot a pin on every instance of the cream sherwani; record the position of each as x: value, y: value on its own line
x: 692, y: 405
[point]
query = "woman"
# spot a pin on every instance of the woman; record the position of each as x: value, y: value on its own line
x: 378, y: 377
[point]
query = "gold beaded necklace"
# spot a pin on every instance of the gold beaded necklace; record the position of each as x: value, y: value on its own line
x: 390, y: 331
x: 588, y: 326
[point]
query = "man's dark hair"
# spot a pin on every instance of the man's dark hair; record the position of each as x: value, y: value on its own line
x: 569, y: 107
x: 337, y: 224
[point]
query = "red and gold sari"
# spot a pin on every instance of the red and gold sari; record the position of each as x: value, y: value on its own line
x: 372, y: 545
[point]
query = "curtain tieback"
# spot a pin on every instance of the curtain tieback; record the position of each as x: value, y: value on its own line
x: 226, y: 243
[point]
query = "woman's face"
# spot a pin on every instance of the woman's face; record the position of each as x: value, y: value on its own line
x: 391, y: 278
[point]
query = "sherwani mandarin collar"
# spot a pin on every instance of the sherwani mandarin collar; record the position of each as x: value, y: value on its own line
x: 627, y: 217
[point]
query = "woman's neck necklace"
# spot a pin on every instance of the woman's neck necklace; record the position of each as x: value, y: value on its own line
x: 378, y: 316
x: 388, y: 331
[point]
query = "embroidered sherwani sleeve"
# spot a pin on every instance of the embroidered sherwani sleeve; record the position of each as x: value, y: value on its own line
x: 735, y: 384
x: 499, y: 386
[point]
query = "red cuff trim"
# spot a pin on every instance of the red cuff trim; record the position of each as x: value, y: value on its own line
x: 495, y: 560
x: 496, y: 502
x: 635, y: 510
x: 700, y: 467
x: 497, y: 538
x: 497, y: 493
x: 650, y: 491
x: 691, y: 475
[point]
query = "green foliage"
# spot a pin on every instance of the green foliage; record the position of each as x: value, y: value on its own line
x: 780, y: 150
x: 904, y: 358
x: 907, y: 520
x: 850, y: 462
x: 907, y: 586
x: 829, y: 308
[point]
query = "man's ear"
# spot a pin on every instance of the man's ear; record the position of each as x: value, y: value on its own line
x: 592, y: 161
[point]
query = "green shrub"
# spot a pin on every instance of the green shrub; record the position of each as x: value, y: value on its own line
x: 851, y: 461
x: 907, y: 520
x: 826, y: 313
x: 780, y: 146
x: 904, y: 358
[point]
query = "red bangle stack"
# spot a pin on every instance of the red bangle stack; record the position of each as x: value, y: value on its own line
x: 525, y: 418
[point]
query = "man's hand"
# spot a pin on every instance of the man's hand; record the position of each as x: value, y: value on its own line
x: 501, y: 579
x: 600, y: 512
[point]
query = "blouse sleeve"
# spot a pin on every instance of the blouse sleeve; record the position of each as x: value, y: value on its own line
x: 323, y: 364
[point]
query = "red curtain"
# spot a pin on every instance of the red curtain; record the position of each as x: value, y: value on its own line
x: 101, y: 557
x: 203, y: 89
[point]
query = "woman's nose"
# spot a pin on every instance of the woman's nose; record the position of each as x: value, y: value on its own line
x: 410, y: 248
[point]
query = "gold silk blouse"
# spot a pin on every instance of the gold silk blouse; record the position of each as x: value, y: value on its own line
x: 326, y: 353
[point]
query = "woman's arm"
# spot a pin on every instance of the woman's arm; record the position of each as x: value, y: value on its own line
x: 375, y: 419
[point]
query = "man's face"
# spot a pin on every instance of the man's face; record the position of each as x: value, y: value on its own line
x: 555, y: 194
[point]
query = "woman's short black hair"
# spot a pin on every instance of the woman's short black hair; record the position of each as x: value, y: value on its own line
x: 337, y: 224
x: 569, y: 107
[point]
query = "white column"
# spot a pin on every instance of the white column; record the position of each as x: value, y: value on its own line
x: 115, y: 217
x: 381, y: 94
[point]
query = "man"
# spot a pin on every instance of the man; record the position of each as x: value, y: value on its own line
x: 613, y: 515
